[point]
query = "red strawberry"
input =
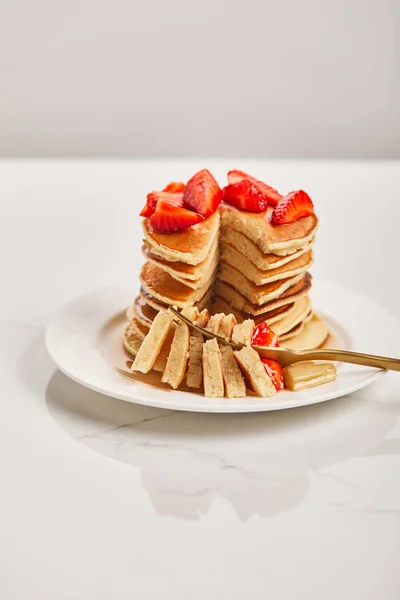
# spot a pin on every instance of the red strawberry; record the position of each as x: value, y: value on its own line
x: 174, y: 187
x: 271, y: 195
x: 171, y: 197
x: 274, y: 370
x: 292, y: 207
x: 202, y: 193
x: 168, y: 218
x: 245, y: 195
x: 264, y: 336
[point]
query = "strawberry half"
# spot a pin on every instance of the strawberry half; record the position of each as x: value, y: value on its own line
x: 171, y: 197
x: 245, y: 195
x: 202, y: 193
x: 274, y: 370
x: 264, y: 336
x: 292, y: 207
x: 270, y: 193
x: 168, y: 218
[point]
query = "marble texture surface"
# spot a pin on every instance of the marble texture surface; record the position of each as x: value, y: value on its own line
x: 104, y: 499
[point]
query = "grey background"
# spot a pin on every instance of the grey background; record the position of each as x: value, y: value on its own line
x: 273, y: 78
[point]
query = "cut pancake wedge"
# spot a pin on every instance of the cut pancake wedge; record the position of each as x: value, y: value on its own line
x: 165, y: 289
x: 238, y: 301
x: 194, y: 377
x: 256, y: 294
x: 253, y: 253
x: 275, y: 239
x: 191, y: 245
x: 181, y: 269
x: 236, y: 259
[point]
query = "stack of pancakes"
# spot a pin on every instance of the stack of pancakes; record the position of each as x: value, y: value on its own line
x: 180, y: 270
x: 263, y: 274
x: 232, y: 262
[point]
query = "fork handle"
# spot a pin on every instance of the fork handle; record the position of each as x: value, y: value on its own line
x: 356, y: 358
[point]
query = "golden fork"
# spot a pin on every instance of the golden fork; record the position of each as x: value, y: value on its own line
x: 288, y: 357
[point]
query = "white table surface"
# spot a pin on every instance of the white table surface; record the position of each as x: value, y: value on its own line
x: 102, y: 499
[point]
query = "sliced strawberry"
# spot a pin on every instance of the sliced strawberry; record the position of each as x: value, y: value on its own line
x: 147, y: 211
x: 202, y: 193
x: 245, y: 195
x: 292, y: 207
x: 172, y: 198
x: 264, y: 336
x: 174, y: 187
x: 274, y: 370
x: 168, y: 218
x: 271, y: 195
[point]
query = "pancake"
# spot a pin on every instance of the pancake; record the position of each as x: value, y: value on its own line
x: 253, y: 369
x: 157, y: 305
x: 243, y: 332
x: 239, y: 302
x: 198, y: 283
x: 302, y: 307
x: 212, y: 373
x: 131, y: 340
x: 194, y: 376
x: 165, y: 289
x: 180, y: 269
x: 143, y: 312
x: 141, y: 330
x: 153, y: 342
x: 256, y: 294
x: 275, y: 239
x: 239, y: 261
x: 255, y: 255
x: 314, y: 334
x: 235, y: 386
x: 175, y: 368
x: 190, y: 245
x: 292, y: 333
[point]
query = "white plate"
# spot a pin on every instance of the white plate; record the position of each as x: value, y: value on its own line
x: 84, y: 340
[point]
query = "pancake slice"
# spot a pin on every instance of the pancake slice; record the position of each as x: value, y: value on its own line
x: 165, y: 289
x: 227, y: 324
x: 175, y: 368
x: 194, y: 377
x: 236, y: 259
x: 253, y: 369
x: 243, y: 332
x: 161, y: 360
x: 214, y: 323
x: 253, y: 253
x: 231, y: 374
x: 275, y: 239
x: 238, y: 301
x: 257, y: 294
x: 212, y: 372
x: 191, y: 245
x: 152, y: 343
